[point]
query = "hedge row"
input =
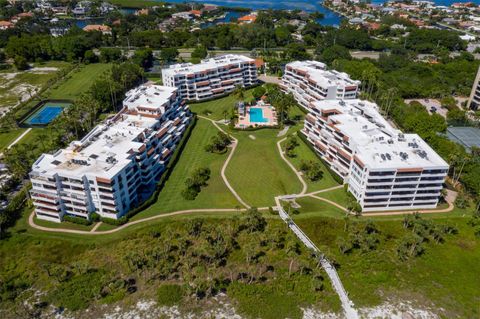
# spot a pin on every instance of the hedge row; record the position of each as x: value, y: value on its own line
x: 335, y: 176
x: 256, y: 128
x: 161, y: 183
x: 94, y: 217
x: 77, y: 220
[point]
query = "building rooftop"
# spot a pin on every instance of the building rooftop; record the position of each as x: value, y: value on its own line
x: 152, y: 96
x: 378, y: 144
x: 467, y: 136
x: 317, y: 72
x: 105, y: 150
x: 212, y: 63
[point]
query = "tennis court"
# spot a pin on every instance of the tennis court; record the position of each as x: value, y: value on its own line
x: 46, y: 113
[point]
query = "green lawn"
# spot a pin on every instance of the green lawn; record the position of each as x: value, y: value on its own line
x: 304, y: 153
x: 446, y: 277
x: 215, y: 195
x: 68, y: 225
x: 78, y: 81
x: 33, y: 135
x: 215, y: 109
x: 312, y: 207
x: 339, y: 196
x: 257, y: 172
x: 8, y: 137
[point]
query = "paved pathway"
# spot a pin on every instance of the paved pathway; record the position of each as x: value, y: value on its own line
x: 269, y: 79
x: 32, y: 224
x: 94, y: 229
x: 19, y: 138
x: 284, y: 131
x: 224, y: 167
x: 331, y: 203
x: 299, y: 176
x: 347, y: 304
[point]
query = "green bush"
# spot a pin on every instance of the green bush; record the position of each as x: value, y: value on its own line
x: 170, y: 166
x: 77, y: 220
x: 78, y: 292
x: 114, y: 222
x: 170, y: 295
x: 334, y: 175
x: 94, y: 217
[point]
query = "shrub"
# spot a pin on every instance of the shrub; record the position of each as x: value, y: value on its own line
x: 170, y: 166
x: 94, y: 217
x: 78, y: 292
x: 77, y: 220
x: 169, y: 295
x: 114, y: 222
x: 312, y: 170
x: 290, y: 146
x: 20, y: 63
x: 334, y: 175
x: 195, y: 183
x: 218, y: 143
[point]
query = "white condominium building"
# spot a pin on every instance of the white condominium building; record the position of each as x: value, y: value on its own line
x: 212, y: 77
x: 116, y: 165
x: 384, y: 169
x: 474, y: 100
x: 310, y: 81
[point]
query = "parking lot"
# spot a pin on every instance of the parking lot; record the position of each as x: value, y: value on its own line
x: 429, y: 104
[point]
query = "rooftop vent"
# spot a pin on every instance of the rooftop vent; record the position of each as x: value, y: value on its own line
x: 79, y: 162
x: 111, y: 160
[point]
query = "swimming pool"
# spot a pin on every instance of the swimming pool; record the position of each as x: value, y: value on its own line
x: 256, y: 115
x: 46, y: 113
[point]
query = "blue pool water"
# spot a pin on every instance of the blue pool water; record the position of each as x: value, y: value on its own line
x: 256, y: 115
x: 45, y: 115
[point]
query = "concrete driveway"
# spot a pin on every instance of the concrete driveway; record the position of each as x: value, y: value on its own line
x: 429, y: 103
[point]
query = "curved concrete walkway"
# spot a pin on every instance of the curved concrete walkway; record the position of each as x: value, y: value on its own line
x: 331, y: 203
x: 94, y: 231
x: 224, y: 167
x: 299, y: 175
x: 450, y: 207
x: 31, y: 221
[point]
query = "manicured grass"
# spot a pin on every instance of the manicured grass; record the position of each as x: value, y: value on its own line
x: 257, y: 172
x: 67, y: 225
x: 215, y: 109
x: 8, y: 137
x: 79, y: 81
x: 312, y: 207
x: 33, y: 136
x: 339, y: 196
x: 446, y: 277
x: 304, y: 153
x: 215, y: 195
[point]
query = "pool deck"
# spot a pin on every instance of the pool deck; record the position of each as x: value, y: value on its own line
x: 268, y: 113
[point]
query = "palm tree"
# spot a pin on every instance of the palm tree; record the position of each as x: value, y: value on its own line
x: 239, y: 92
x: 225, y: 113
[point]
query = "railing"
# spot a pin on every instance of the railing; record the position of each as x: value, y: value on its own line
x: 347, y: 304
